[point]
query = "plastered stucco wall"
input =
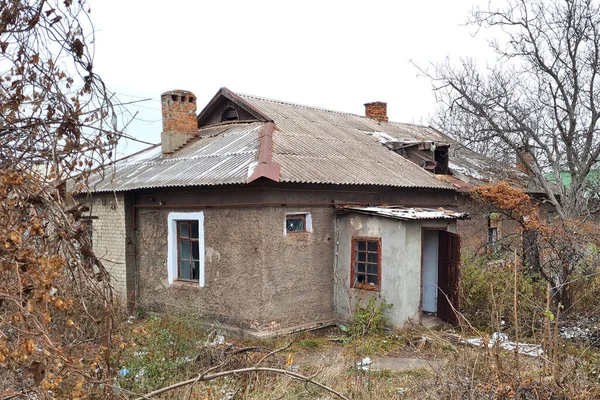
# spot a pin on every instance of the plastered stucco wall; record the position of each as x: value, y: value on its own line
x: 256, y: 277
x: 400, y: 264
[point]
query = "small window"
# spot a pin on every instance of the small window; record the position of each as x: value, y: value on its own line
x: 188, y: 250
x: 229, y: 114
x: 493, y: 243
x: 366, y: 263
x: 298, y: 223
x: 295, y: 223
x: 551, y: 216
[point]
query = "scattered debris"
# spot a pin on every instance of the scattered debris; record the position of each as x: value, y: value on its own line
x: 218, y: 340
x: 365, y: 364
x: 585, y: 330
x: 501, y: 339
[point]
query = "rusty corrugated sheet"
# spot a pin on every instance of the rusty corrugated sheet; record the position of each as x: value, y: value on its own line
x: 210, y: 160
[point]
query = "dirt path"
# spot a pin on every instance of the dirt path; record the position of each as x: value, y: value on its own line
x: 393, y: 363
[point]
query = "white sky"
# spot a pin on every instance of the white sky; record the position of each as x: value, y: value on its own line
x: 329, y: 53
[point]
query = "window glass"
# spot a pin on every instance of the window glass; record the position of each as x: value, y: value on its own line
x: 295, y: 224
x: 184, y: 269
x: 188, y: 250
x: 194, y: 229
x: 183, y: 229
x: 366, y: 268
x: 184, y: 250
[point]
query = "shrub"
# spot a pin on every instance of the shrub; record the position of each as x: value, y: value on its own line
x: 487, y: 295
x: 371, y: 318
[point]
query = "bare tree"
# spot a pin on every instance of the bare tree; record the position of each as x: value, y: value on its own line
x: 56, y: 124
x: 542, y: 96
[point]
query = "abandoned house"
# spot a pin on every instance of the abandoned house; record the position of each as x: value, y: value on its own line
x: 270, y: 217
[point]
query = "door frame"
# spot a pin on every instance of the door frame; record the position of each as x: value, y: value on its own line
x: 423, y: 229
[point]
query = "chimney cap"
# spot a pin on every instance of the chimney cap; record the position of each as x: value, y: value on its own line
x: 177, y: 91
x: 376, y: 103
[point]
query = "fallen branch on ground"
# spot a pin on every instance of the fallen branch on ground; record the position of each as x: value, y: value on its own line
x: 202, y: 377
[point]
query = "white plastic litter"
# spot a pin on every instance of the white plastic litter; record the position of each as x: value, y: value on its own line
x: 365, y: 364
x: 528, y: 349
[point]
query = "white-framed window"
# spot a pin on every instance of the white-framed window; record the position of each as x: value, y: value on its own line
x: 186, y: 247
x: 300, y: 222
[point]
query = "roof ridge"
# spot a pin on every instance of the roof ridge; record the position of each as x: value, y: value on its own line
x: 289, y: 103
x: 260, y: 98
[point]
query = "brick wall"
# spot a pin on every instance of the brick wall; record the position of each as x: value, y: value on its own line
x: 377, y: 111
x: 109, y: 237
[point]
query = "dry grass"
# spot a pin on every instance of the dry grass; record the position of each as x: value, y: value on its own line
x: 455, y: 371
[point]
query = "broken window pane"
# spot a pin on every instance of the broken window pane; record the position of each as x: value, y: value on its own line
x: 360, y: 278
x: 294, y: 224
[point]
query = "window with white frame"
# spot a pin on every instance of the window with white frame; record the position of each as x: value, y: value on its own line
x: 297, y: 223
x: 186, y: 247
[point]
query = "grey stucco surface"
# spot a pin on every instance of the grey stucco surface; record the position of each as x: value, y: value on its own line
x: 400, y: 264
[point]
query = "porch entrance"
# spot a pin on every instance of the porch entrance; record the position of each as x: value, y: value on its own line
x: 440, y: 274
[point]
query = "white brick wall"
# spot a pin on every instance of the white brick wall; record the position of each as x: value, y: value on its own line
x: 108, y: 237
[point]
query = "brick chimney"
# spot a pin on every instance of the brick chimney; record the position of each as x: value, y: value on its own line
x: 377, y: 111
x: 179, y: 119
x: 529, y: 158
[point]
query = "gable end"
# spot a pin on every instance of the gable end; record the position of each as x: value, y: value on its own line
x: 227, y: 106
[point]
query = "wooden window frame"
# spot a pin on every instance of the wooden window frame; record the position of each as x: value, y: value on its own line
x: 301, y: 216
x: 189, y: 239
x: 493, y: 226
x: 172, y: 246
x: 365, y: 286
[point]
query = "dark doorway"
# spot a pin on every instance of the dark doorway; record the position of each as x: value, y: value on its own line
x: 441, y: 274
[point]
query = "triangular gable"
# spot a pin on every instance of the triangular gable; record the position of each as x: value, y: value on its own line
x: 226, y: 104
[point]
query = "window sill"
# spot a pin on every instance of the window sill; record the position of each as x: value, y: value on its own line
x: 185, y: 283
x: 372, y: 288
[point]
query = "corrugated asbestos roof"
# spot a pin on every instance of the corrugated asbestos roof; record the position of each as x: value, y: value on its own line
x: 224, y: 154
x: 408, y: 214
x: 314, y: 145
x: 311, y: 145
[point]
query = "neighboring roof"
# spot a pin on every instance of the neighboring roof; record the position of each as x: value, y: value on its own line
x: 408, y: 214
x: 307, y: 145
x: 223, y: 154
x: 592, y: 178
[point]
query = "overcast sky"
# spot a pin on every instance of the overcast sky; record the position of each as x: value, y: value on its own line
x: 331, y: 54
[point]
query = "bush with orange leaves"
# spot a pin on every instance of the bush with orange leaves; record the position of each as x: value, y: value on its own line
x: 567, y: 249
x: 57, y: 124
x: 55, y: 298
